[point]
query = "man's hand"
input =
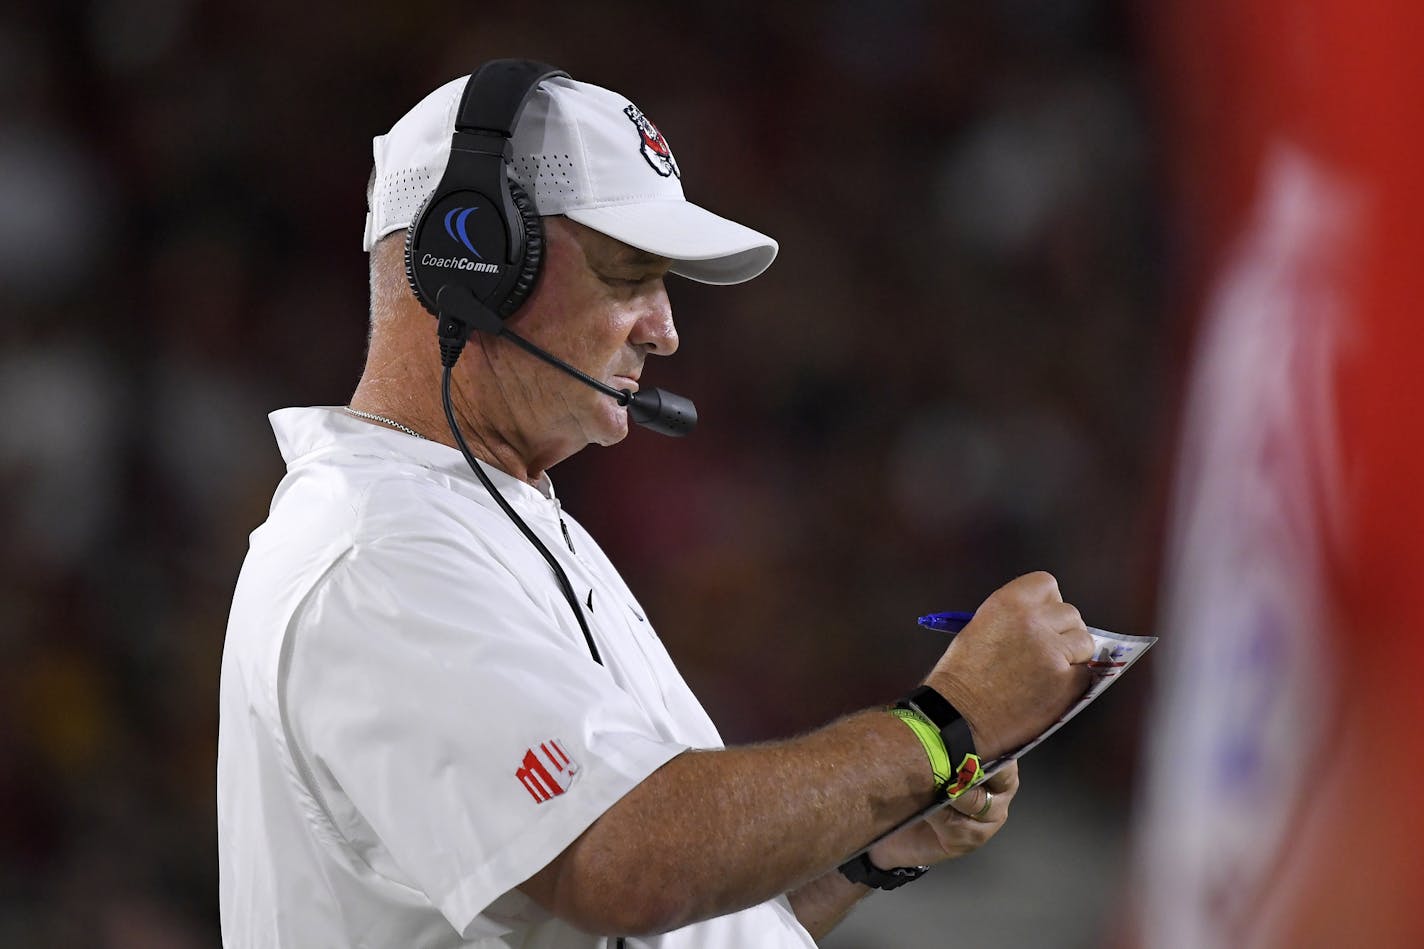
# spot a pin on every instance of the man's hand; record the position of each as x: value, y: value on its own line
x: 952, y: 831
x: 1017, y: 666
x: 944, y: 835
x: 732, y: 832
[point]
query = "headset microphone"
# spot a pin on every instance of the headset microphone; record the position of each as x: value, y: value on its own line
x: 666, y: 413
x: 661, y: 411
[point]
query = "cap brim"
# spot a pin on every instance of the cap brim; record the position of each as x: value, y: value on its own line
x: 703, y: 246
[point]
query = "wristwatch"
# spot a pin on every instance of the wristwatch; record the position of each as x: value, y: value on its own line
x: 861, y: 870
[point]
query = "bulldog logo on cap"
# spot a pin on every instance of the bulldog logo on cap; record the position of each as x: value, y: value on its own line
x: 655, y: 147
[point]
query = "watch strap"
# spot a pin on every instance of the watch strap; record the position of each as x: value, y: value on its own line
x: 859, y: 869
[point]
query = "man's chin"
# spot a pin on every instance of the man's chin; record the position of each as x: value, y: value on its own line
x: 612, y: 428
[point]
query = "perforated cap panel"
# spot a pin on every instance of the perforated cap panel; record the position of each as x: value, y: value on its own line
x: 548, y: 179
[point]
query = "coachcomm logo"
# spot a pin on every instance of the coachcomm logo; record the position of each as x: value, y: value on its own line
x: 455, y: 220
x: 458, y: 263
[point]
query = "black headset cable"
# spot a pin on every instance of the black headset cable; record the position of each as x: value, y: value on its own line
x: 564, y: 585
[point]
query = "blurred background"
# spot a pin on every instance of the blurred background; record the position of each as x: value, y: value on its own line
x: 953, y: 374
x: 964, y: 365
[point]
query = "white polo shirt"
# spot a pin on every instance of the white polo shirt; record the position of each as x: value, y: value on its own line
x: 411, y: 722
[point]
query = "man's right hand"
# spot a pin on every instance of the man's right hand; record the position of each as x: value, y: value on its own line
x: 1017, y: 666
x: 733, y: 832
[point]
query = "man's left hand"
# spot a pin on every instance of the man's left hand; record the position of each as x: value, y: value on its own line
x: 955, y: 830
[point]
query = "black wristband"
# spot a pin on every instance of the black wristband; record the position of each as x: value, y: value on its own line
x: 861, y: 870
x: 964, y: 764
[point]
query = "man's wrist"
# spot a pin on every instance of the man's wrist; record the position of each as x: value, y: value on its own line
x: 955, y: 746
x: 927, y: 733
x: 964, y: 698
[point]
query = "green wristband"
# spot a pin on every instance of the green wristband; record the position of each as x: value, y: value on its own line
x: 929, y: 737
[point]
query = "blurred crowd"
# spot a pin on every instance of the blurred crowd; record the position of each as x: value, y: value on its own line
x: 954, y: 372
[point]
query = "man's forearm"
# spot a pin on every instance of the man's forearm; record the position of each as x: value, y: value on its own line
x: 712, y: 832
x: 822, y: 903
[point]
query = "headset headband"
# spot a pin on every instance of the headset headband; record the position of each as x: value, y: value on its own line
x: 495, y: 95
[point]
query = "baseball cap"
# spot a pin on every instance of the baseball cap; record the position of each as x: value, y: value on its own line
x: 581, y: 151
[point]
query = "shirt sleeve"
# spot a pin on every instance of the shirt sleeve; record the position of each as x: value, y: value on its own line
x: 457, y: 729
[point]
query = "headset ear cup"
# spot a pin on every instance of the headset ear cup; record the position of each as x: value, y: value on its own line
x: 410, y: 233
x: 533, y: 259
x: 529, y: 264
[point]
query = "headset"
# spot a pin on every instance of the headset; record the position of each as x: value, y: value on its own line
x: 479, y: 231
x: 474, y: 250
x: 473, y: 254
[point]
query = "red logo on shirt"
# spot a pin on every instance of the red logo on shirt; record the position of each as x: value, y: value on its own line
x: 543, y: 782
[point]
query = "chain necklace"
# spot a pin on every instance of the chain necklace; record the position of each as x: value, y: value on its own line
x: 373, y: 417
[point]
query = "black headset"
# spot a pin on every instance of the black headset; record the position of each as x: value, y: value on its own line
x: 473, y: 254
x: 479, y: 230
x: 473, y: 251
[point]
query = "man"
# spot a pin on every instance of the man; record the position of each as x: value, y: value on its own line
x: 419, y: 744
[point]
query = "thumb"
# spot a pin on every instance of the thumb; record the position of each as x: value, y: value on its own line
x: 972, y: 801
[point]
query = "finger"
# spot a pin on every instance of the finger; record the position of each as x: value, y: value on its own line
x: 1062, y: 617
x: 1005, y: 780
x: 1078, y: 645
x: 1040, y: 585
x: 971, y: 803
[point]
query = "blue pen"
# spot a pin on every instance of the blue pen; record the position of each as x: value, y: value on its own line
x: 950, y: 623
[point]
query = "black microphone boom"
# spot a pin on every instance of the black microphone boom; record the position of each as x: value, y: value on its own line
x: 666, y: 413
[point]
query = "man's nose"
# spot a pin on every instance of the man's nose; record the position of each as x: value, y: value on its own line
x: 654, y: 329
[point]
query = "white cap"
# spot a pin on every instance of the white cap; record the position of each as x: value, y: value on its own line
x: 580, y: 151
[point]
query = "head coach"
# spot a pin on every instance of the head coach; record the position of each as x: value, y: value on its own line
x: 445, y: 720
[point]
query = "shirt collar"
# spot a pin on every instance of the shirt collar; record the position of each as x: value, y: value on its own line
x: 303, y: 434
